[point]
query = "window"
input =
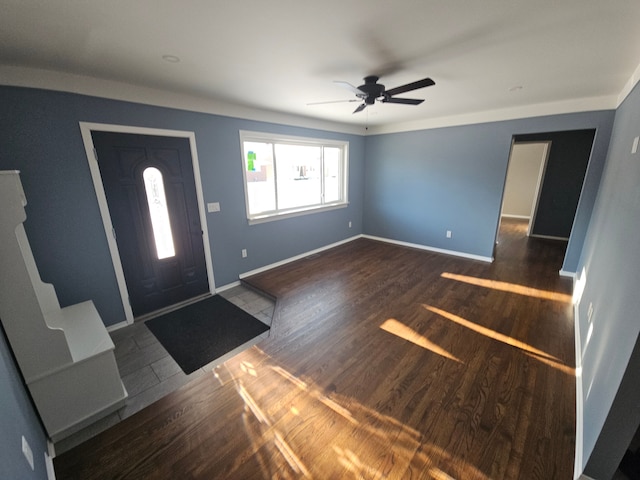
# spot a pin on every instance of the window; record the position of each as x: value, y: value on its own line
x: 287, y: 176
x: 157, y: 201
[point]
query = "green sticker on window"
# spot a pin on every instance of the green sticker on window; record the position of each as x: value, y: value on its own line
x: 251, y: 157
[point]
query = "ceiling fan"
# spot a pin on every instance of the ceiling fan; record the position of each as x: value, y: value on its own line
x: 371, y: 90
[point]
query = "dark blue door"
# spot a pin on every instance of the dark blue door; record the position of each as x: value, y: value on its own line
x: 150, y: 189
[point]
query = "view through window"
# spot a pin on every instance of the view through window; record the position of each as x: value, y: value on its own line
x: 292, y: 174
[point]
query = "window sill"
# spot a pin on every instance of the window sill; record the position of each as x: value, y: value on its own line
x: 296, y: 213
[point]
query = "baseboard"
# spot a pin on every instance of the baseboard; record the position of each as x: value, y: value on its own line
x: 578, y: 468
x: 520, y: 217
x: 431, y: 249
x: 228, y: 286
x: 162, y: 311
x: 172, y: 308
x: 549, y: 237
x: 566, y: 273
x: 118, y: 326
x: 297, y: 257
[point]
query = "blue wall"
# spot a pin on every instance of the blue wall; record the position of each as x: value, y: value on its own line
x: 420, y: 184
x: 40, y: 136
x: 18, y: 418
x: 611, y: 262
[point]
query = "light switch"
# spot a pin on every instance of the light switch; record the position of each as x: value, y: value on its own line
x: 213, y: 207
x: 634, y: 147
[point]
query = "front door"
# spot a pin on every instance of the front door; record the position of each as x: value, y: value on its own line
x: 150, y: 189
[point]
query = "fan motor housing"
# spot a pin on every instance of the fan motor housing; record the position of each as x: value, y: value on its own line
x: 372, y: 89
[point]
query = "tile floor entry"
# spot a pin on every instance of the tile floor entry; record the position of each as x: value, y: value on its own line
x: 148, y: 371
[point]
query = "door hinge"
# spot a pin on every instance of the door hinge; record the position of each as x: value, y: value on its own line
x: 113, y: 232
x: 95, y: 153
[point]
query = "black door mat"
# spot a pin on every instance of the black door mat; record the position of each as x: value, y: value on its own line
x: 201, y: 332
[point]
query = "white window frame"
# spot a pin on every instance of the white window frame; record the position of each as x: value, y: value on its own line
x: 277, y: 214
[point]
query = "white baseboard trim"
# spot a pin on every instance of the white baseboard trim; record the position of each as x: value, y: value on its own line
x: 297, y: 257
x: 228, y: 286
x: 578, y: 468
x: 567, y: 273
x: 549, y: 237
x: 158, y: 313
x: 118, y: 326
x: 521, y: 217
x: 431, y: 249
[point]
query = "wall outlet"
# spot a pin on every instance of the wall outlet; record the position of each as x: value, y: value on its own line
x: 244, y: 253
x: 26, y: 450
x: 213, y: 207
x: 349, y: 223
x: 448, y: 233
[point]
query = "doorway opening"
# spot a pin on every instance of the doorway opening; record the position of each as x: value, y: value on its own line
x: 149, y: 192
x: 559, y: 190
x: 527, y: 165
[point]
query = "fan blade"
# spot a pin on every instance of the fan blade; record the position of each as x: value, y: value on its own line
x: 350, y: 87
x: 427, y: 82
x: 335, y: 101
x: 360, y: 108
x: 404, y: 101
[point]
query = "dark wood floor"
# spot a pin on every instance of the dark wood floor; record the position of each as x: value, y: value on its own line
x: 384, y: 362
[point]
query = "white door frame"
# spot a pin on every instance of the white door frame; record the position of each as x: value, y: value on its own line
x: 543, y: 170
x: 85, y: 129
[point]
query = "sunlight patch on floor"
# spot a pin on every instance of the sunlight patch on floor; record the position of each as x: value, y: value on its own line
x: 509, y: 287
x: 296, y: 430
x: 501, y: 337
x: 555, y: 364
x: 397, y: 328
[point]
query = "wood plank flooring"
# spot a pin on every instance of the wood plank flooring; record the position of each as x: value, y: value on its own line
x: 383, y: 362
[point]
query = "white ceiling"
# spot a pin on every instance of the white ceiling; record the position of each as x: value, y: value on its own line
x: 280, y: 55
